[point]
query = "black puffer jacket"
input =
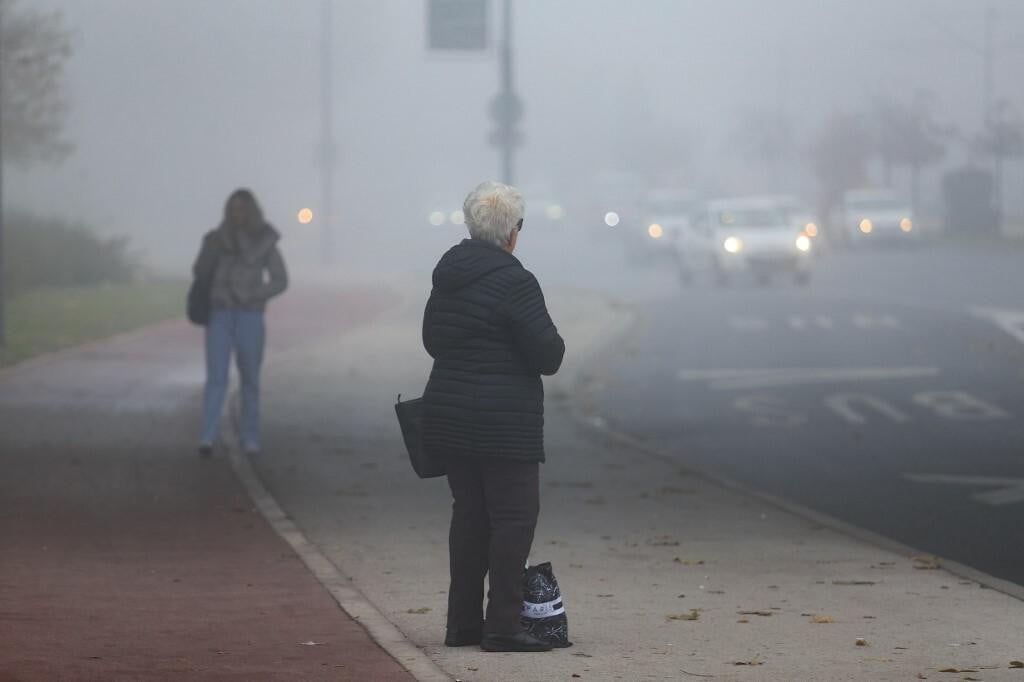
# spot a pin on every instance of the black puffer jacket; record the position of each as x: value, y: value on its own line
x: 489, y: 332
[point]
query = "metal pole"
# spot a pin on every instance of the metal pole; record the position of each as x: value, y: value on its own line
x: 327, y: 133
x: 3, y: 312
x: 988, y: 66
x: 507, y: 97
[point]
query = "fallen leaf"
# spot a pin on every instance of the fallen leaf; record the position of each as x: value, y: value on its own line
x: 957, y: 670
x: 860, y: 641
x: 473, y: 669
x: 754, y: 613
x: 1017, y: 664
x: 605, y: 596
x: 922, y: 676
x: 750, y: 662
x: 743, y: 620
x: 663, y: 541
x: 823, y: 619
x: 688, y: 562
x: 582, y: 655
x: 716, y: 591
x: 853, y: 582
x: 971, y: 679
x: 693, y: 614
x: 926, y: 562
x: 419, y: 611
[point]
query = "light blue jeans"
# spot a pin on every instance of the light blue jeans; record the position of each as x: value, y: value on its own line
x: 244, y: 333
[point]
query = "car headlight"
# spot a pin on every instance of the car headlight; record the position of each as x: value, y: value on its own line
x: 866, y: 226
x: 733, y: 244
x: 655, y: 231
x: 906, y: 225
x: 803, y: 243
x: 811, y: 230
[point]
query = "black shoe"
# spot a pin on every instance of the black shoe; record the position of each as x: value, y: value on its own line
x: 205, y: 451
x: 463, y: 637
x: 521, y: 641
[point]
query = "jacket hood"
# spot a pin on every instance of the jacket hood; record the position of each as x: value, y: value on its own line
x: 468, y: 261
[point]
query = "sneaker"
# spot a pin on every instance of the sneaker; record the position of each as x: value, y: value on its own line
x: 205, y: 450
x: 521, y: 641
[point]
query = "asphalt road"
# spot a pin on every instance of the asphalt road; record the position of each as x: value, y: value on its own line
x: 887, y: 394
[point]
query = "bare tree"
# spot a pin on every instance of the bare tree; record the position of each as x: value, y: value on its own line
x: 840, y: 153
x: 1003, y: 140
x: 34, y: 47
x: 767, y: 138
x: 907, y: 135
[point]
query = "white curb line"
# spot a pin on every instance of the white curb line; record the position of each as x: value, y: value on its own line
x: 340, y: 586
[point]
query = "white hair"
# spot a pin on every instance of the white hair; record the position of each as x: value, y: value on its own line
x: 492, y: 211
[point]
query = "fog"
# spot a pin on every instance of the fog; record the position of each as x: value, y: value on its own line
x: 173, y: 104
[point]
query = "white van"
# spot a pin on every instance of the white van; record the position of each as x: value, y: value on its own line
x: 754, y: 235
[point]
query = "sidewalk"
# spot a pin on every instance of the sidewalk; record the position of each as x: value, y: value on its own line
x: 123, y: 556
x: 666, y: 575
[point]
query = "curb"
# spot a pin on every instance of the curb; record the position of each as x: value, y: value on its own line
x: 582, y: 412
x: 340, y: 586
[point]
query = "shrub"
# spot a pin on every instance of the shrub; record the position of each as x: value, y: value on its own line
x: 46, y: 252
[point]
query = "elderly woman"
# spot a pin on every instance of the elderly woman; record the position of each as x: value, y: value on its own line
x: 489, y: 332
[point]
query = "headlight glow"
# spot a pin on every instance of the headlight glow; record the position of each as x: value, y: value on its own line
x: 906, y: 225
x: 457, y: 218
x: 732, y: 244
x: 655, y: 231
x: 866, y: 226
x: 304, y: 216
x: 437, y: 218
x: 811, y: 230
x: 611, y: 218
x: 803, y: 243
x: 555, y: 212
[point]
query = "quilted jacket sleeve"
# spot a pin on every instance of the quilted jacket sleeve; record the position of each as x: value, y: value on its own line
x: 534, y: 333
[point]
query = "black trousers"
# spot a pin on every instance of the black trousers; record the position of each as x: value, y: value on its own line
x: 494, y: 514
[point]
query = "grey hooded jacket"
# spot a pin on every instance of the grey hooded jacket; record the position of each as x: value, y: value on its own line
x: 249, y: 267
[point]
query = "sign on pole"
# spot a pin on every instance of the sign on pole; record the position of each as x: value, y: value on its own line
x: 457, y: 24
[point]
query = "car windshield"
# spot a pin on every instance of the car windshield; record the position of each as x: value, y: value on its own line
x: 875, y: 205
x: 669, y: 207
x: 751, y: 217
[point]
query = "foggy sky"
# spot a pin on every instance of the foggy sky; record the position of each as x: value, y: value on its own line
x: 175, y: 103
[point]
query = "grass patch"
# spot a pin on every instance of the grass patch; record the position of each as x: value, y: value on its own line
x: 45, y: 320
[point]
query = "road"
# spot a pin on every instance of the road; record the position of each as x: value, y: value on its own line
x: 887, y: 394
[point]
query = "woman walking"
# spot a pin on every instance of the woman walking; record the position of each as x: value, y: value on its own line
x: 246, y: 270
x: 487, y: 327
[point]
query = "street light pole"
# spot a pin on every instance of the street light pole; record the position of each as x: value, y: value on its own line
x: 327, y: 148
x: 3, y: 312
x: 508, y: 98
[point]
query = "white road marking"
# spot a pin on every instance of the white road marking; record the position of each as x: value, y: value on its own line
x: 767, y: 411
x: 739, y: 379
x: 843, y: 405
x: 1010, y: 321
x: 748, y: 323
x: 959, y: 405
x: 869, y: 321
x: 1010, y: 490
x: 820, y: 321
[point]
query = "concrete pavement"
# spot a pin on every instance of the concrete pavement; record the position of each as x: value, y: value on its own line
x: 665, y: 574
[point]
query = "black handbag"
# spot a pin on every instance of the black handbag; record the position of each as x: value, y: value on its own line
x: 198, y: 305
x: 410, y: 420
x: 199, y: 301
